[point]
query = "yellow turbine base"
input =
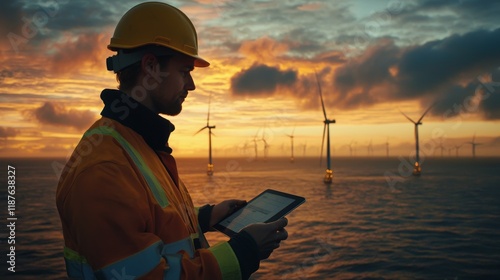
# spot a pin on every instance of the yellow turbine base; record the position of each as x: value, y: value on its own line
x: 328, y: 177
x: 210, y: 169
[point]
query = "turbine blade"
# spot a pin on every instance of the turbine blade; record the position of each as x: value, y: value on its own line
x: 201, y: 130
x: 426, y: 111
x: 321, y: 95
x: 407, y: 117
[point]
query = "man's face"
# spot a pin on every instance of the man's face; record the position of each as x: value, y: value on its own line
x: 174, y: 82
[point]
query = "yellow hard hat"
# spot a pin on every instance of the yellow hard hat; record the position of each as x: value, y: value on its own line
x: 155, y: 23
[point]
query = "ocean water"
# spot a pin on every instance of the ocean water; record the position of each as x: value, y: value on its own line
x: 375, y: 221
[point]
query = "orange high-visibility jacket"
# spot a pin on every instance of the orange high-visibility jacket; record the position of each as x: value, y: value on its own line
x: 124, y: 218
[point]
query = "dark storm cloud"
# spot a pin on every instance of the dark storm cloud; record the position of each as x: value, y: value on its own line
x: 6, y: 132
x: 433, y: 70
x: 427, y: 67
x: 65, y: 15
x: 481, y: 95
x: 368, y: 70
x: 10, y: 13
x: 490, y: 98
x: 453, y: 101
x: 27, y: 24
x: 56, y: 114
x: 261, y: 79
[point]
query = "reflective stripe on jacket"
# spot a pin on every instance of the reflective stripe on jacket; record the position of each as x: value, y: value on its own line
x: 124, y: 218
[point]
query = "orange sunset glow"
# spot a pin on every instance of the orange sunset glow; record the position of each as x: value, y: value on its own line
x: 373, y: 59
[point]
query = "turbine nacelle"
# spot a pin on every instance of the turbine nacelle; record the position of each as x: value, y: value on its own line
x: 327, y: 121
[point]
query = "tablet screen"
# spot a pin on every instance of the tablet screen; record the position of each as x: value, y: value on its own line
x: 266, y: 207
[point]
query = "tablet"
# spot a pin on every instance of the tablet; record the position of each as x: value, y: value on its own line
x: 268, y: 206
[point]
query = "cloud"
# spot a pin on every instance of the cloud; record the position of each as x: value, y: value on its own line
x: 310, y: 7
x: 263, y: 48
x: 76, y: 51
x: 490, y: 98
x: 261, y: 79
x: 446, y: 70
x: 11, y: 14
x: 427, y: 67
x: 357, y: 80
x: 6, y: 132
x: 56, y: 114
x: 481, y: 95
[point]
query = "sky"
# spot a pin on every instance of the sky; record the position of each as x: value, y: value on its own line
x: 372, y: 60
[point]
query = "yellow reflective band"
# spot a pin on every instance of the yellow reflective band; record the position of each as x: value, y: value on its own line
x: 153, y: 183
x: 228, y: 262
x: 73, y: 255
x: 77, y: 266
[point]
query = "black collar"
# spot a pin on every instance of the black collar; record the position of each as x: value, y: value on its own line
x: 124, y: 109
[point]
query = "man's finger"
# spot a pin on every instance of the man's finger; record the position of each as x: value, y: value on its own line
x: 281, y: 223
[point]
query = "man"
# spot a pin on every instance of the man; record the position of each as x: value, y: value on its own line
x: 124, y: 211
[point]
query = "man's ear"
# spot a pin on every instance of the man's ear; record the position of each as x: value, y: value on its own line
x: 148, y: 63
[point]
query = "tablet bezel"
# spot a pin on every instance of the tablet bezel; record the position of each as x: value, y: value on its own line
x: 297, y: 200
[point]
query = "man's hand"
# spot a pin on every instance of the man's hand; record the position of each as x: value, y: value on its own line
x: 268, y: 236
x: 224, y: 209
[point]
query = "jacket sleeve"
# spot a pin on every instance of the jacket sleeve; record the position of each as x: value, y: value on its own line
x: 204, y: 214
x: 109, y: 215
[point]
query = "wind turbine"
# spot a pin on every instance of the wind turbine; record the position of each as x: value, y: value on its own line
x: 417, y: 169
x: 457, y: 147
x: 255, y: 143
x: 441, y: 146
x: 370, y: 148
x: 266, y: 146
x: 474, y: 144
x: 352, y: 148
x: 329, y: 172
x: 291, y: 139
x: 210, y: 166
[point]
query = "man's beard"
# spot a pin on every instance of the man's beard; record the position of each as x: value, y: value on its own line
x: 173, y: 109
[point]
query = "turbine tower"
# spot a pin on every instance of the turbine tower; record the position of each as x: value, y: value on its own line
x: 370, y: 148
x: 329, y: 172
x: 387, y: 147
x: 417, y: 169
x: 291, y: 139
x: 255, y: 144
x: 266, y: 146
x: 352, y: 148
x: 474, y: 144
x: 210, y: 166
